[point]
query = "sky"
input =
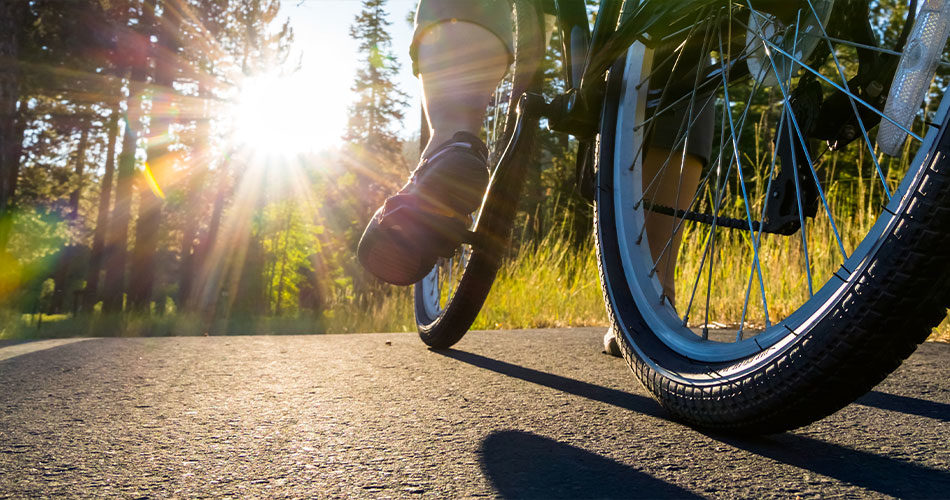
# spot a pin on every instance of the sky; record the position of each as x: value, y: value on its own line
x: 329, y: 61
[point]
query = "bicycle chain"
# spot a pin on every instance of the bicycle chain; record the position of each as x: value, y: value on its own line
x: 707, y: 218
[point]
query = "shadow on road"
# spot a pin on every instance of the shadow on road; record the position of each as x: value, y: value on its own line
x: 626, y: 400
x: 889, y: 476
x: 524, y: 465
x: 905, y: 404
x: 875, y: 472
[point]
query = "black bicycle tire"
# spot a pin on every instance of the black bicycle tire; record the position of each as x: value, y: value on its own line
x: 464, y: 304
x: 857, y: 343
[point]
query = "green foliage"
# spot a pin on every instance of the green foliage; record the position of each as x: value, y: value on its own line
x: 378, y: 111
x: 37, y: 237
x: 289, y: 240
x: 281, y: 253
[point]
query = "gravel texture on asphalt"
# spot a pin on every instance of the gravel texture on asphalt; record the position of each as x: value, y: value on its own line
x: 534, y: 413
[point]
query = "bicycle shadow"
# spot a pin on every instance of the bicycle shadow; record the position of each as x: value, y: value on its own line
x: 889, y: 476
x: 906, y: 404
x: 614, y: 397
x: 886, y: 475
x: 525, y: 465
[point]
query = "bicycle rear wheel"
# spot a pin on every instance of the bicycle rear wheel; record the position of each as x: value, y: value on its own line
x: 779, y: 317
x: 448, y: 299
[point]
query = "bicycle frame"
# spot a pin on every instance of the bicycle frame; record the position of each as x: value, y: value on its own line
x: 589, y: 53
x: 587, y: 56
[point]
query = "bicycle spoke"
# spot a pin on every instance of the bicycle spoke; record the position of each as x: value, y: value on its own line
x: 682, y: 137
x: 671, y: 106
x: 717, y: 167
x: 651, y: 121
x: 674, y: 225
x: 689, y: 118
x: 857, y: 45
x: 699, y: 272
x: 653, y: 70
x: 676, y: 146
x: 718, y: 196
x: 854, y: 107
x: 727, y: 109
x: 801, y: 217
x: 718, y: 192
x: 710, y: 81
x: 758, y: 237
x: 709, y: 245
x: 742, y: 120
x: 679, y: 48
x: 772, y: 46
x: 712, y: 230
x: 768, y: 190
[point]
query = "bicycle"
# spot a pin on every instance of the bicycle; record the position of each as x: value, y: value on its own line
x: 808, y: 86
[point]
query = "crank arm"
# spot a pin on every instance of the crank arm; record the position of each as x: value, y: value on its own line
x: 504, y: 188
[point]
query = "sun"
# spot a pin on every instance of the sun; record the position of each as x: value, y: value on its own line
x: 286, y: 115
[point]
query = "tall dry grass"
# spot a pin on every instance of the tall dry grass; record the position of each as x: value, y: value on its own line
x: 554, y: 283
x: 548, y: 284
x: 729, y: 292
x: 551, y: 284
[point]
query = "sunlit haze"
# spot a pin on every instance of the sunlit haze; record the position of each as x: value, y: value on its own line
x: 287, y: 115
x: 305, y: 108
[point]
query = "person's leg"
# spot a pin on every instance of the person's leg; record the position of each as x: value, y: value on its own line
x: 675, y: 186
x: 460, y: 64
x: 460, y: 50
x: 671, y: 175
x: 676, y: 181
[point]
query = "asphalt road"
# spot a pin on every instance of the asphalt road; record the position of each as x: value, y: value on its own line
x: 538, y: 413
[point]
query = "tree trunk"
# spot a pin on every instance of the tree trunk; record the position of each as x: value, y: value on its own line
x: 11, y: 17
x: 269, y: 280
x: 6, y: 222
x: 158, y: 164
x: 90, y: 297
x: 146, y: 243
x: 80, y: 170
x: 283, y: 260
x: 206, y: 291
x: 193, y: 209
x: 188, y: 234
x: 67, y: 258
x: 118, y: 236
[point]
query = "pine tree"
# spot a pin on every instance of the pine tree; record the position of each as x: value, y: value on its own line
x: 374, y: 166
x: 378, y: 110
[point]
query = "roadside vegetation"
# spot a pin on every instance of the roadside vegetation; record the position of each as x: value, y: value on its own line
x: 137, y: 210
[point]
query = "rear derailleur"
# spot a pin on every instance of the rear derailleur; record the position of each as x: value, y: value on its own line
x: 794, y: 194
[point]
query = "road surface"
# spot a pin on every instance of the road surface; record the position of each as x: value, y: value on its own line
x: 537, y: 413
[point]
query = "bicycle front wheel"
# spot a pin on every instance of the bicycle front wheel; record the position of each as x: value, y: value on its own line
x: 448, y: 299
x: 810, y: 265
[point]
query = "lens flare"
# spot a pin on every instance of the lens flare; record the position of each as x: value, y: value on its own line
x: 152, y: 183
